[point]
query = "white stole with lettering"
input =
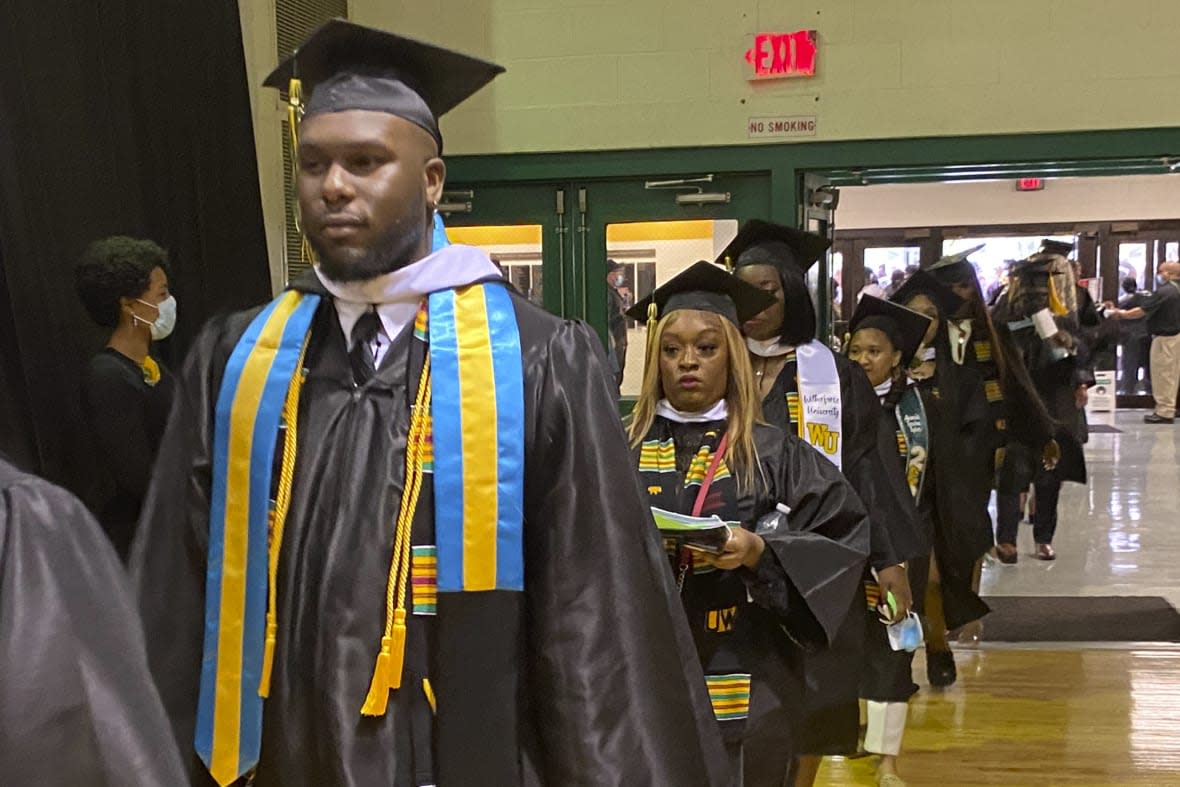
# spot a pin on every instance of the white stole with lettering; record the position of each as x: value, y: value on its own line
x: 820, y: 407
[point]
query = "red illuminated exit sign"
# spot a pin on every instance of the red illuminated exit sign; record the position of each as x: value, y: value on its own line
x: 779, y: 55
x: 1030, y: 184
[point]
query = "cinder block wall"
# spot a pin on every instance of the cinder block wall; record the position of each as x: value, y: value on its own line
x: 601, y: 74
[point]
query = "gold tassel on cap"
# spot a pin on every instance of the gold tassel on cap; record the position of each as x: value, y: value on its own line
x: 294, y: 115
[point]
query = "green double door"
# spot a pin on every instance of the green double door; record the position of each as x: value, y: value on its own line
x: 553, y: 239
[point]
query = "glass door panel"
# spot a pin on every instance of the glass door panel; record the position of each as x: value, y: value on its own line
x: 517, y: 250
x: 522, y: 227
x: 1133, y: 263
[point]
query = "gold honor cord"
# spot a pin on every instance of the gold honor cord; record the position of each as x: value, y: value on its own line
x: 387, y: 674
x: 279, y: 518
x: 294, y: 115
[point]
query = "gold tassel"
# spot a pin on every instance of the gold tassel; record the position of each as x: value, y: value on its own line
x: 728, y: 263
x: 1055, y: 304
x: 268, y: 656
x: 379, y: 688
x: 387, y: 675
x: 652, y: 311
x: 294, y: 115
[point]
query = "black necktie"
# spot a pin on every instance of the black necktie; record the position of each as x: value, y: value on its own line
x: 361, y: 357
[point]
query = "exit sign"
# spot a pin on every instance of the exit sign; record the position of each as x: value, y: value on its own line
x: 780, y: 55
x: 1030, y: 184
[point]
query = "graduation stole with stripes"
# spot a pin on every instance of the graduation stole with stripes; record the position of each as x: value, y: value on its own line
x: 913, y: 437
x: 470, y: 396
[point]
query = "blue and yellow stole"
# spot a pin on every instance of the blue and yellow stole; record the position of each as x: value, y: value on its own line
x: 477, y: 413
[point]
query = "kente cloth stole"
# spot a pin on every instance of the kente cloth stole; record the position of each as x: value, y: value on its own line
x: 478, y: 457
x: 820, y: 407
x: 913, y: 437
x: 666, y: 489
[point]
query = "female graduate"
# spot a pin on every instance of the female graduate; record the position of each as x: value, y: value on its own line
x: 883, y: 339
x: 798, y: 538
x: 808, y: 390
x: 1022, y: 432
x: 961, y: 428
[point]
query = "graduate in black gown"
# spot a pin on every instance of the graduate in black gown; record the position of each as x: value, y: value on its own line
x: 397, y: 640
x: 77, y: 705
x: 883, y: 339
x: 839, y: 415
x: 1040, y: 311
x: 799, y: 538
x: 1021, y: 430
x: 961, y: 428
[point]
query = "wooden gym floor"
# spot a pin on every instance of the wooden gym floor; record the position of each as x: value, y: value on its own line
x: 1041, y: 717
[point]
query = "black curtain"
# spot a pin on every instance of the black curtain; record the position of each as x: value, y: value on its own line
x: 122, y: 117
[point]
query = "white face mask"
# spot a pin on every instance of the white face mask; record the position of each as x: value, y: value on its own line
x: 620, y: 280
x: 165, y: 317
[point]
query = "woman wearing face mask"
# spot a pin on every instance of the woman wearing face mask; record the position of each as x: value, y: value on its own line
x: 883, y: 339
x: 798, y: 539
x: 808, y: 390
x: 127, y: 394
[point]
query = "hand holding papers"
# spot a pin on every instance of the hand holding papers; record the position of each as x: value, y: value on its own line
x: 704, y: 534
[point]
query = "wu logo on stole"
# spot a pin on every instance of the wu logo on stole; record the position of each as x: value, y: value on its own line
x: 823, y: 438
x: 721, y: 620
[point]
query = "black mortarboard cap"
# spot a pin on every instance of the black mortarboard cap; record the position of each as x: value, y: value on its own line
x: 705, y: 287
x: 1034, y: 268
x: 349, y: 66
x: 1050, y: 246
x: 922, y: 283
x: 953, y: 260
x: 904, y: 327
x: 612, y: 266
x: 761, y: 242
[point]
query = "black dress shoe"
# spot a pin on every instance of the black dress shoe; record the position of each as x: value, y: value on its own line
x: 1152, y: 418
x: 940, y: 668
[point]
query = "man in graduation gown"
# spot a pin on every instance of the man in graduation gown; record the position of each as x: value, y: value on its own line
x: 573, y: 665
x: 77, y: 705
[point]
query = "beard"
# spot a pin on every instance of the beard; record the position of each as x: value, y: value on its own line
x: 394, y: 249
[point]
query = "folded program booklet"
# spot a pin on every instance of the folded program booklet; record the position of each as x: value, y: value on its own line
x: 705, y: 534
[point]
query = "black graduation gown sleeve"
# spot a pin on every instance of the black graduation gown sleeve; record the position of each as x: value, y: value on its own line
x: 818, y: 555
x: 614, y: 679
x: 77, y: 705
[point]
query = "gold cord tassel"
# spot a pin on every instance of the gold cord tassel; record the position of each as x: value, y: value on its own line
x: 279, y: 519
x: 387, y: 672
